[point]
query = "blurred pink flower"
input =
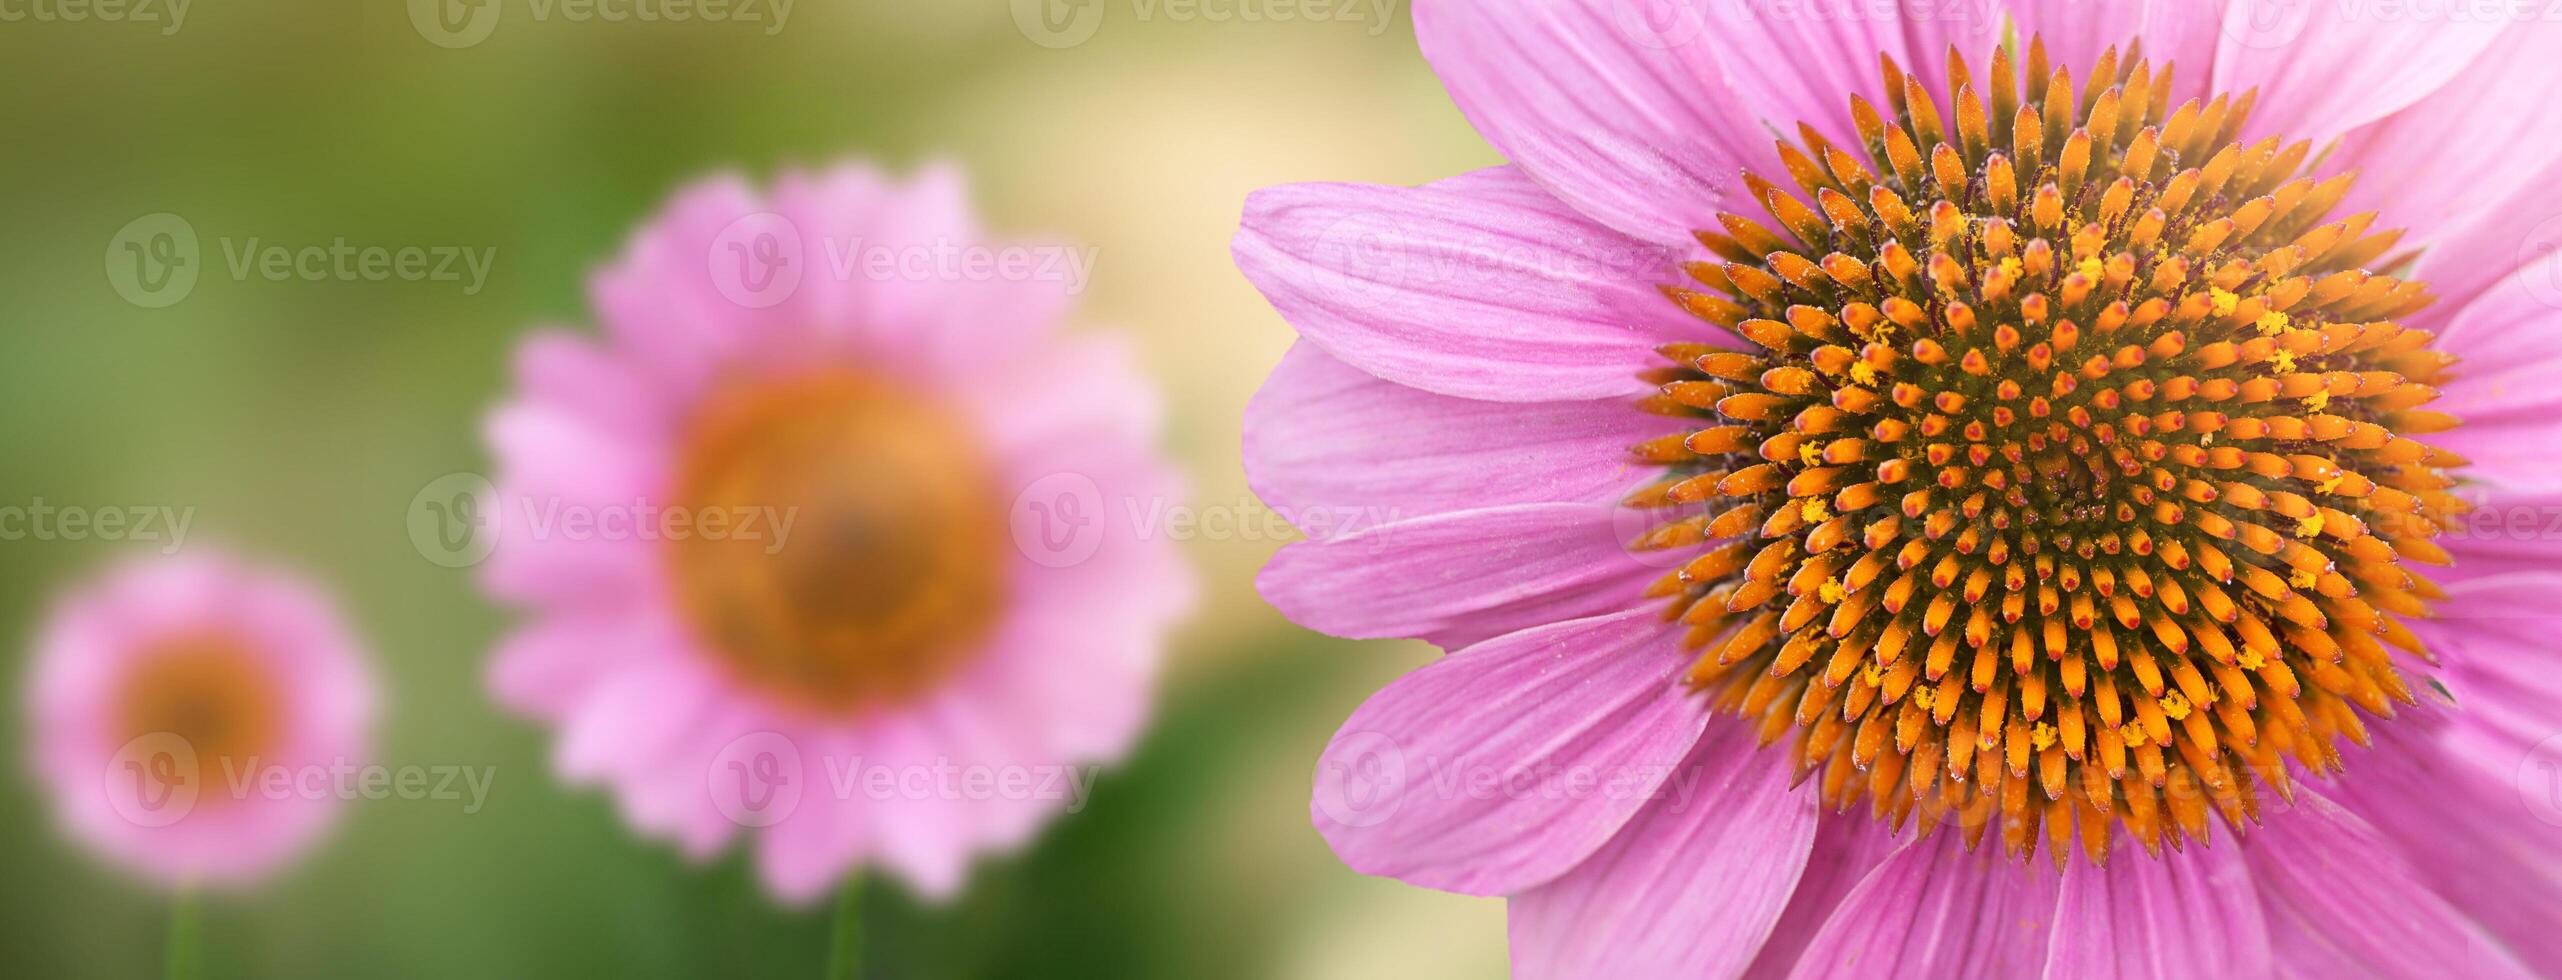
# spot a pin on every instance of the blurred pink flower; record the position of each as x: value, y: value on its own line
x: 1918, y: 411
x: 869, y: 571
x: 189, y: 714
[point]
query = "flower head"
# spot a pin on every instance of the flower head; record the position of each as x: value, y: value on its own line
x: 182, y: 708
x: 832, y: 538
x: 2049, y: 439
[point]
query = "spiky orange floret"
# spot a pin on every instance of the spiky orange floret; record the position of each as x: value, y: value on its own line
x: 2068, y: 478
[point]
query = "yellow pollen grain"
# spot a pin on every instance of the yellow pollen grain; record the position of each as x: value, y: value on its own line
x: 2283, y: 362
x: 2175, y: 705
x: 1808, y: 452
x: 1925, y: 698
x: 1872, y: 674
x: 2225, y: 302
x: 2042, y: 737
x: 2250, y: 659
x: 1831, y: 591
x: 2309, y: 526
x: 1862, y: 374
x: 2090, y: 269
x: 2273, y: 322
x: 2318, y: 400
x: 2331, y: 485
x: 2010, y: 266
x: 2301, y: 579
x: 1814, y: 511
x: 2132, y: 733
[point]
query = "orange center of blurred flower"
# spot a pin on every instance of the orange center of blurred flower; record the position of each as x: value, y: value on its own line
x: 209, y: 691
x: 846, y: 540
x: 2068, y: 480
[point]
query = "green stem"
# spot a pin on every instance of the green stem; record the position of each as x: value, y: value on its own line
x: 184, y: 958
x: 845, y: 949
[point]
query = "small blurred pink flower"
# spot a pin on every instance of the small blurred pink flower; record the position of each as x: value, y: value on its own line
x: 187, y: 711
x: 832, y: 536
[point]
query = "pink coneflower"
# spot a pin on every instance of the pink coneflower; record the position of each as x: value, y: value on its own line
x: 181, y: 707
x: 864, y: 571
x: 1854, y: 448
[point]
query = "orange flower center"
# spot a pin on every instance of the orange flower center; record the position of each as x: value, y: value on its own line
x: 209, y: 691
x: 846, y: 540
x: 2069, y: 480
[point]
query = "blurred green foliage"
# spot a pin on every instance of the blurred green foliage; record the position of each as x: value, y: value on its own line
x: 297, y: 419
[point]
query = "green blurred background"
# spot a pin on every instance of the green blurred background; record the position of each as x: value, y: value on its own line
x: 297, y: 420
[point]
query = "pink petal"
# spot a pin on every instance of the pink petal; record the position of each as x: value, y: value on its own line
x: 1503, y: 765
x: 2510, y: 345
x: 2323, y: 69
x: 1615, y: 108
x: 1636, y: 907
x: 1847, y: 847
x: 2477, y: 139
x: 2190, y: 914
x: 1464, y: 288
x: 660, y: 301
x: 1934, y: 910
x: 2181, y: 34
x: 2494, y: 634
x: 1461, y: 577
x: 1337, y: 451
x: 2340, y: 902
x: 2511, y: 246
x: 572, y: 374
x: 2466, y: 831
x: 1800, y: 63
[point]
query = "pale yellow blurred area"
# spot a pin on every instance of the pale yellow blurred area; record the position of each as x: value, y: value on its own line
x: 1144, y: 141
